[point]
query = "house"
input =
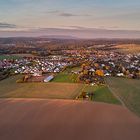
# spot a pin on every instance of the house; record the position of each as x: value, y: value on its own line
x: 37, y: 74
x: 120, y: 74
x: 107, y: 74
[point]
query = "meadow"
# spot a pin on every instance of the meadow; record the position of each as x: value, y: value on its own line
x: 67, y: 76
x: 102, y: 94
x: 9, y: 57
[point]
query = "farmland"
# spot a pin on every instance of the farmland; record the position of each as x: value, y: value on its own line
x: 128, y: 48
x: 67, y: 76
x: 9, y: 57
x: 53, y: 90
x: 23, y: 55
x: 39, y: 119
x: 128, y: 90
x: 102, y: 94
x: 15, y: 56
x: 11, y: 89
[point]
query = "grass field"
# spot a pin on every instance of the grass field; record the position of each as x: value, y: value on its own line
x: 66, y: 76
x: 15, y: 56
x: 10, y: 89
x: 9, y: 57
x: 102, y: 94
x: 128, y: 90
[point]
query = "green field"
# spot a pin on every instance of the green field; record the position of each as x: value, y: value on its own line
x: 10, y: 89
x: 66, y: 76
x: 102, y: 94
x: 9, y: 57
x: 128, y: 90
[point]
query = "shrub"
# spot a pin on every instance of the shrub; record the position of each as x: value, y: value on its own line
x: 19, y: 81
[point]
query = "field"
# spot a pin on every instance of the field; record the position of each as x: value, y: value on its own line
x: 9, y: 57
x: 53, y: 90
x: 23, y: 55
x: 10, y: 89
x: 44, y: 119
x: 102, y: 94
x: 128, y: 90
x: 15, y: 56
x: 66, y: 76
x: 128, y: 48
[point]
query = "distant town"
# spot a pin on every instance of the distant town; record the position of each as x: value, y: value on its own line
x: 93, y: 60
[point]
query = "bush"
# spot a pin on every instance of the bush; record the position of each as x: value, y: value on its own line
x: 19, y: 81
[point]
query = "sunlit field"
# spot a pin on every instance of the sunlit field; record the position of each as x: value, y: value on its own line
x: 128, y: 90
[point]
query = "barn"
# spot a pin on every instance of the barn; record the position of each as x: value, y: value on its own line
x: 48, y: 78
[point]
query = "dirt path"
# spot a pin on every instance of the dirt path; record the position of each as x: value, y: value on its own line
x: 40, y: 119
x: 116, y: 95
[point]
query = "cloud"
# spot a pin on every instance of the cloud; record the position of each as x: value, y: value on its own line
x: 66, y: 14
x: 7, y: 25
x: 73, y: 15
x: 53, y: 12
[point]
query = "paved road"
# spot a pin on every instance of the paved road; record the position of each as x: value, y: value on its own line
x: 34, y: 119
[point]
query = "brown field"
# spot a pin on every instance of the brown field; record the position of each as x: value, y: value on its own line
x: 128, y: 48
x: 23, y: 55
x: 34, y: 119
x: 10, y: 89
x: 48, y: 90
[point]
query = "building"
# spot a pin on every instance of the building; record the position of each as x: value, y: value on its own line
x: 48, y: 78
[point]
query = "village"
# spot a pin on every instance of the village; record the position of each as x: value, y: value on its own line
x: 93, y: 65
x: 101, y: 64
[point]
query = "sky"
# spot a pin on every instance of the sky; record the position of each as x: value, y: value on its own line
x: 22, y: 17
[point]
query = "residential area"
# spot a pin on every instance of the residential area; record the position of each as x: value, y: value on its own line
x: 93, y: 65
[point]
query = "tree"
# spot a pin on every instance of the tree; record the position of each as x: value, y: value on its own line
x: 100, y: 73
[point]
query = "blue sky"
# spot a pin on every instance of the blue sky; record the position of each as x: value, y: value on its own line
x: 35, y: 14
